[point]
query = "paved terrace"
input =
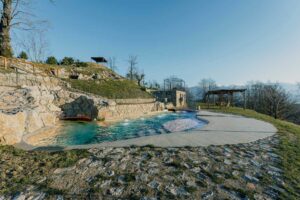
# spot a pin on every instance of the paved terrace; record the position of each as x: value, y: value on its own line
x: 221, y: 129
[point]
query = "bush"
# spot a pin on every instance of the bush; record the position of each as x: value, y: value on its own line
x: 81, y: 64
x: 67, y: 61
x: 51, y: 60
x: 23, y: 55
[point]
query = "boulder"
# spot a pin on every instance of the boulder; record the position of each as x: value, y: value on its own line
x: 82, y: 106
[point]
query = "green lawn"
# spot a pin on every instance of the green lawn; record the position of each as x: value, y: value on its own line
x: 289, y: 147
x: 113, y: 89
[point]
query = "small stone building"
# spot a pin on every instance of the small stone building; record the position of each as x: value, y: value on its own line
x: 174, y: 96
x: 173, y: 92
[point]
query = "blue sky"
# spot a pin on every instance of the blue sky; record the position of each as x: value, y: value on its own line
x: 230, y: 41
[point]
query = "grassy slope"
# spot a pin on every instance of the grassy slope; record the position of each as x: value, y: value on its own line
x: 289, y: 147
x: 114, y: 89
x: 91, y: 68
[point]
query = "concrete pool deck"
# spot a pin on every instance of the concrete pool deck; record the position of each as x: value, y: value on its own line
x: 221, y: 129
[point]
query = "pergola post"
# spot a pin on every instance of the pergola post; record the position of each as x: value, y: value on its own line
x: 244, y: 97
x: 208, y: 104
x: 220, y: 99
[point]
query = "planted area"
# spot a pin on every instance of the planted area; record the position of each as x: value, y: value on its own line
x: 113, y: 89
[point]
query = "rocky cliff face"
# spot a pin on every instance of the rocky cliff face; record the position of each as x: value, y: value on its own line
x: 24, y: 111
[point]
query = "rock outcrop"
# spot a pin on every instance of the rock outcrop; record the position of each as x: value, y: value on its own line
x: 24, y: 111
x: 82, y: 106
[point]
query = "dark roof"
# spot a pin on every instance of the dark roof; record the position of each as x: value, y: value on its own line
x: 225, y: 91
x: 99, y: 59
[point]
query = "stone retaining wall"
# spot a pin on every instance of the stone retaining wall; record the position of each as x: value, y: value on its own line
x: 134, y: 101
x: 129, y: 111
x: 14, y: 79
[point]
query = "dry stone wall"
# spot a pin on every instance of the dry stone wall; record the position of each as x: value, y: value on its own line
x: 20, y: 79
x: 129, y: 111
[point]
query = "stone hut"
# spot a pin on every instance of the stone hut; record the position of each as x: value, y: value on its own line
x: 173, y: 92
x: 174, y: 96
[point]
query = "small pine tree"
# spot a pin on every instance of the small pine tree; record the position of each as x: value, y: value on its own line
x: 79, y: 63
x: 67, y: 61
x: 51, y: 60
x: 23, y: 55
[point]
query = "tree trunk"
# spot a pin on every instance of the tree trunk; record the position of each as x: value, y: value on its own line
x: 5, y: 46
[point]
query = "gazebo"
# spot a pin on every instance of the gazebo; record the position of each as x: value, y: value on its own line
x: 225, y: 92
x: 99, y: 59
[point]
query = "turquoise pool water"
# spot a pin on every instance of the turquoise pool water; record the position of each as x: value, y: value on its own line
x: 78, y: 133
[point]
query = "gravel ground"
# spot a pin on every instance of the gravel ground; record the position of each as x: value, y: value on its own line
x: 239, y: 171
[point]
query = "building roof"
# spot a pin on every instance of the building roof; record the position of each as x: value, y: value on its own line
x: 99, y: 59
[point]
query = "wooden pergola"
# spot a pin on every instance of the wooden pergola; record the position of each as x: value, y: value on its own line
x: 99, y: 59
x: 222, y: 92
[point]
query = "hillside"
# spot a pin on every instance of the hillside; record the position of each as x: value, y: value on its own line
x: 113, y: 89
x: 86, y: 77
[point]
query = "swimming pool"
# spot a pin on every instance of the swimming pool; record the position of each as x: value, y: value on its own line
x: 79, y: 133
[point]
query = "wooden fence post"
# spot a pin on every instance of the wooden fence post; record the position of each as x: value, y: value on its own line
x: 5, y: 63
x: 17, y: 76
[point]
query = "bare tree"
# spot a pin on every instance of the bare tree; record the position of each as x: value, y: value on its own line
x: 270, y: 99
x: 15, y: 14
x: 140, y: 77
x: 5, y: 26
x: 153, y: 84
x: 36, y: 45
x: 132, y: 60
x: 206, y: 85
x: 112, y: 63
x: 276, y: 101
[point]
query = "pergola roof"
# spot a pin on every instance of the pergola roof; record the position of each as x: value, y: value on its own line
x: 99, y: 59
x: 225, y: 91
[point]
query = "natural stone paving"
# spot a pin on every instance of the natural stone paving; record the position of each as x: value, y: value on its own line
x: 239, y: 171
